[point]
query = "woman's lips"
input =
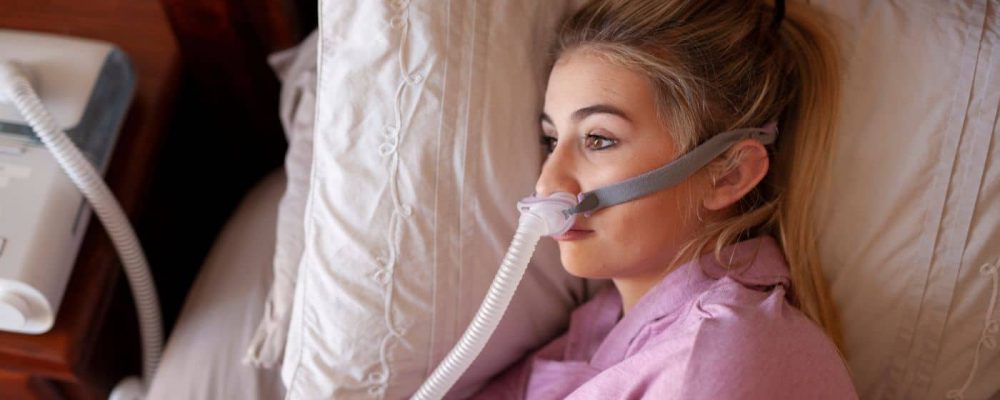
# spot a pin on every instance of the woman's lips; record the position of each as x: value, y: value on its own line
x: 574, y: 234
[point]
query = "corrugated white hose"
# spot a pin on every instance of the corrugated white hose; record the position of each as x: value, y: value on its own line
x: 539, y: 217
x: 18, y: 89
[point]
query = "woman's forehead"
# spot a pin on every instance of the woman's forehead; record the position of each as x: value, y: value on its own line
x: 583, y: 79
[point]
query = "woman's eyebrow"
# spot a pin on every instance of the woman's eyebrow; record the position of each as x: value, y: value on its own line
x: 585, y: 112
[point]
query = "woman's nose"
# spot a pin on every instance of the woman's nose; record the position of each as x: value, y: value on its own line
x: 557, y: 175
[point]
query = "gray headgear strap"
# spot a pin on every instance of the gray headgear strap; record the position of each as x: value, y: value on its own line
x: 672, y: 173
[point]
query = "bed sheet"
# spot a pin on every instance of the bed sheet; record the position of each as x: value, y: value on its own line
x: 202, y: 357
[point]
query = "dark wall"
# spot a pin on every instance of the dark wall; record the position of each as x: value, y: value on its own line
x: 225, y: 134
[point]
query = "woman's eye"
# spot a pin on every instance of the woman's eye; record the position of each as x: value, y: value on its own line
x: 598, y: 142
x: 548, y: 143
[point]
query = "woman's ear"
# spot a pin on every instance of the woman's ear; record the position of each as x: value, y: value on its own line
x: 743, y: 167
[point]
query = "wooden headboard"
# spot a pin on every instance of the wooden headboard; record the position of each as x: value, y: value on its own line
x: 203, y: 128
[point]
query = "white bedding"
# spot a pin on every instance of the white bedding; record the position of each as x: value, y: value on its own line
x: 201, y: 360
x: 912, y: 216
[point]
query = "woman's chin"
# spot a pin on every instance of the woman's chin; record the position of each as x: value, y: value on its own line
x: 583, y: 265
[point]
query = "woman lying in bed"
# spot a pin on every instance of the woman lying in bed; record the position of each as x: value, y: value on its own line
x: 717, y: 287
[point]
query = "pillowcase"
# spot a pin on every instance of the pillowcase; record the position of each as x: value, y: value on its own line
x: 426, y: 137
x: 296, y: 68
x: 911, y: 234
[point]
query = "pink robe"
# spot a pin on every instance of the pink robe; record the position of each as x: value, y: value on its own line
x: 704, y: 332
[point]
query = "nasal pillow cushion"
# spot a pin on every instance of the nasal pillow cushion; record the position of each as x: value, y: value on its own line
x: 426, y: 137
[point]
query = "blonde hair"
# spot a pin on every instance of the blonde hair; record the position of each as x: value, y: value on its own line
x: 718, y: 65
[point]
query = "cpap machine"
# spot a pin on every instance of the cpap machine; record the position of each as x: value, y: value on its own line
x: 62, y: 102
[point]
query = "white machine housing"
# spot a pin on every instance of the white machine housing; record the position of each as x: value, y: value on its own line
x: 87, y: 85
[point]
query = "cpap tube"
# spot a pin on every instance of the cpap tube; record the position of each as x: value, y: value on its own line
x: 540, y: 216
x: 16, y: 87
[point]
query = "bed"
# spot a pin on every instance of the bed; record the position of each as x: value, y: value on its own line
x: 910, y: 247
x: 919, y: 330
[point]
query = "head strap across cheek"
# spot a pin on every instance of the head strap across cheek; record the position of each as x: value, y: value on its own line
x: 673, y: 173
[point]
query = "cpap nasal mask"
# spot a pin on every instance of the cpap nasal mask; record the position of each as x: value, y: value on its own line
x: 554, y: 215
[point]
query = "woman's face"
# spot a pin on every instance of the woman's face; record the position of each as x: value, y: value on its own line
x: 601, y: 127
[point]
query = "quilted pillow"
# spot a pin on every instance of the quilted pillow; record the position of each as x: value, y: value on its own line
x: 426, y: 136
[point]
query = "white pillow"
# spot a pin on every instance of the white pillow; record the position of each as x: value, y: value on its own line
x: 296, y: 67
x: 912, y: 213
x: 200, y: 359
x: 426, y: 136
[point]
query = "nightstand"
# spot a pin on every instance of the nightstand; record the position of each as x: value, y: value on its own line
x: 86, y: 353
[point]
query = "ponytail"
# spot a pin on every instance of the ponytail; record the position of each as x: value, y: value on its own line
x: 803, y: 160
